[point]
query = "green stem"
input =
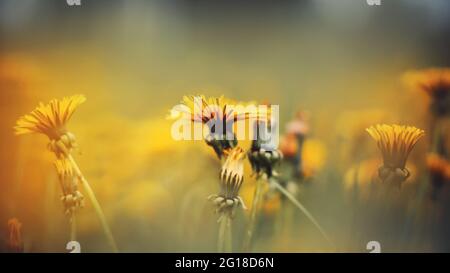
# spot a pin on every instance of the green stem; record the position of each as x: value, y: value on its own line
x: 229, y: 238
x: 251, y: 225
x: 222, y: 231
x: 97, y: 208
x: 224, y: 243
x: 73, y: 228
x: 302, y: 209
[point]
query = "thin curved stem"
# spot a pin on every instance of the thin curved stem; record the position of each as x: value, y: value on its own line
x: 95, y: 203
x: 302, y: 209
x: 254, y: 211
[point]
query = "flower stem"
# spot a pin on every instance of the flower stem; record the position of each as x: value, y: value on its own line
x: 302, y: 209
x: 221, y: 238
x: 224, y: 243
x: 229, y: 239
x: 255, y: 206
x: 436, y: 138
x: 73, y: 228
x: 95, y: 203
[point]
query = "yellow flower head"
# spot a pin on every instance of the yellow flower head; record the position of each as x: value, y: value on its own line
x: 232, y: 173
x: 395, y: 142
x: 50, y: 119
x: 434, y: 81
x: 198, y: 108
x: 231, y: 178
x: 219, y: 115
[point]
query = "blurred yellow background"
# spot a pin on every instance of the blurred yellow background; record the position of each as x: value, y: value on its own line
x: 342, y: 61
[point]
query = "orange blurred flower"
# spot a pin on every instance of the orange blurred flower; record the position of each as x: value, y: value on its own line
x: 436, y: 83
x: 15, y: 244
x: 289, y: 145
x: 299, y: 125
x: 439, y: 166
x: 432, y: 80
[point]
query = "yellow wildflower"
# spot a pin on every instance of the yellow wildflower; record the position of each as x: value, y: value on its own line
x: 231, y: 178
x: 50, y: 119
x: 436, y: 83
x: 202, y: 109
x: 438, y: 166
x: 395, y: 143
x: 432, y: 80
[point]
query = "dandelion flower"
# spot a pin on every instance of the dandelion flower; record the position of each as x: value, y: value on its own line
x: 432, y: 80
x: 263, y: 154
x: 436, y: 83
x: 226, y: 202
x: 296, y: 132
x: 15, y: 243
x: 395, y: 143
x: 264, y: 161
x: 263, y: 157
x: 299, y: 126
x: 289, y: 146
x: 439, y: 169
x: 219, y: 114
x: 232, y: 173
x: 218, y: 108
x: 438, y: 165
x: 231, y: 178
x: 50, y: 119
